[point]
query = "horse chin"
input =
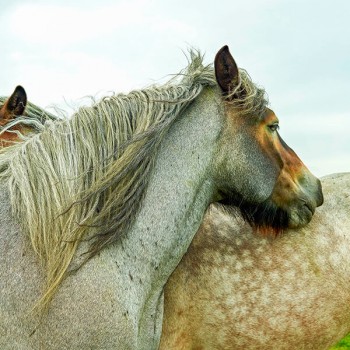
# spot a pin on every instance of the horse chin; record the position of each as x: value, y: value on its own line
x: 301, y: 216
x: 265, y: 218
x: 270, y: 218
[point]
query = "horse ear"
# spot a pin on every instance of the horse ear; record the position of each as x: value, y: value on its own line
x: 226, y: 70
x: 17, y: 102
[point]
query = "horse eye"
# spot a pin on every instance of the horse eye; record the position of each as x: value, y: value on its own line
x: 274, y: 127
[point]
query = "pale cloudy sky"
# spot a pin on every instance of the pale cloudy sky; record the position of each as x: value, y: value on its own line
x: 61, y: 51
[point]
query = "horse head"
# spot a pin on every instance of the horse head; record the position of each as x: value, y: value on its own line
x: 272, y: 187
x: 12, y: 108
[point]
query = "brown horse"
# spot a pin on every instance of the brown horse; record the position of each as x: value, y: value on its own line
x: 13, y: 107
x: 237, y: 290
x: 20, y: 119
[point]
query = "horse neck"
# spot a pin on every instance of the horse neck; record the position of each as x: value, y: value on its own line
x: 178, y: 193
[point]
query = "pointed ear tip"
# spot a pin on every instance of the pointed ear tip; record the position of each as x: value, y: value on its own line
x: 224, y: 48
x: 223, y: 53
x: 20, y: 89
x: 19, y: 95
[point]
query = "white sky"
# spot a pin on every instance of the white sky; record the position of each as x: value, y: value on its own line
x: 61, y: 51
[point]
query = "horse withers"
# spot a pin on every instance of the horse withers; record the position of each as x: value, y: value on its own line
x: 105, y: 204
x: 234, y: 289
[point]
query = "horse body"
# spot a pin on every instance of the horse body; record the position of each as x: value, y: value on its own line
x: 236, y: 290
x: 114, y: 299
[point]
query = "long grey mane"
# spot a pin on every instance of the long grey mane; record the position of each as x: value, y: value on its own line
x: 85, y: 177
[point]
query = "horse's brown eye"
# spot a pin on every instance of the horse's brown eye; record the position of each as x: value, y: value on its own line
x: 274, y: 126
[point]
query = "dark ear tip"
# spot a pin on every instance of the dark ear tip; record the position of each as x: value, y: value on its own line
x: 20, y: 90
x: 223, y: 49
x: 222, y: 53
x: 226, y: 70
x: 17, y: 101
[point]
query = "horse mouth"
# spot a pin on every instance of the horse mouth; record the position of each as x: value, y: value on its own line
x: 301, y: 215
x: 310, y: 208
x: 307, y: 206
x: 309, y: 212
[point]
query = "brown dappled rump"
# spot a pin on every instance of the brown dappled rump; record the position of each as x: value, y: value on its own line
x: 234, y: 289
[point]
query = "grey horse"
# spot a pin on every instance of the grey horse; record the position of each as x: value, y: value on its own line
x: 97, y: 211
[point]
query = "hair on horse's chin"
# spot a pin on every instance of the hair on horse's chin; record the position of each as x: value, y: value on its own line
x: 266, y: 218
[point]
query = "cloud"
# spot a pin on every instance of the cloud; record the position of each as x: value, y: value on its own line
x: 70, y: 75
x: 85, y: 46
x: 53, y: 24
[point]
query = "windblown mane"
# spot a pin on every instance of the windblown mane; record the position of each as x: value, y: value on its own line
x: 85, y: 177
x: 34, y: 118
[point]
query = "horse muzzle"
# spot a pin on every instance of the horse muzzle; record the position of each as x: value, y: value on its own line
x: 301, y: 213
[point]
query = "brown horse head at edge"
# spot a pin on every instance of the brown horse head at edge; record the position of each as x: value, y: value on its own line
x: 13, y: 107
